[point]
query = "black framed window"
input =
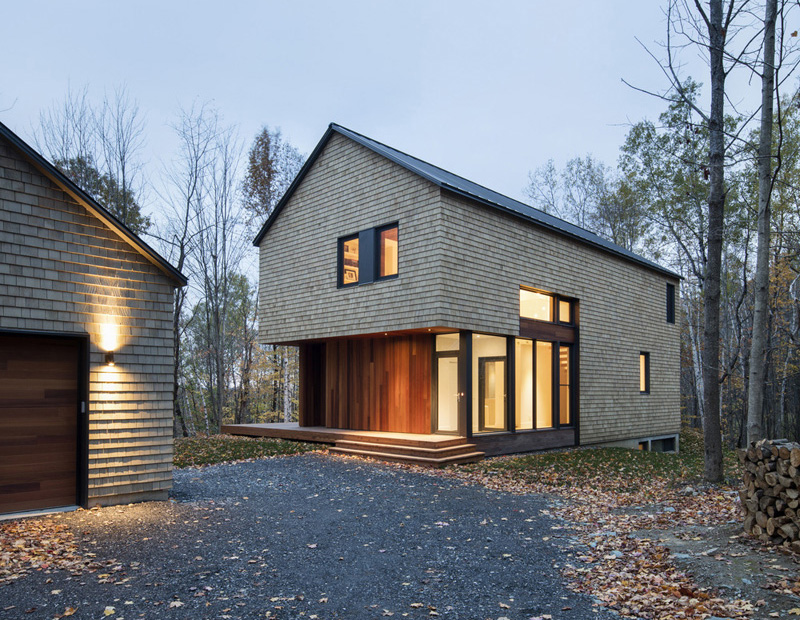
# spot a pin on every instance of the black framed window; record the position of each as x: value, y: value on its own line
x: 348, y: 260
x: 388, y: 244
x: 546, y: 307
x: 644, y: 372
x: 670, y: 303
x: 368, y: 256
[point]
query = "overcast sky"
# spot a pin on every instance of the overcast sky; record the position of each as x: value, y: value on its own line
x: 488, y: 90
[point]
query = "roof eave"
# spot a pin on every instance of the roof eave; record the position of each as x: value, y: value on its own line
x: 80, y: 196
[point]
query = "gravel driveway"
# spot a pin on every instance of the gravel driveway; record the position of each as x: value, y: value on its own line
x: 312, y: 536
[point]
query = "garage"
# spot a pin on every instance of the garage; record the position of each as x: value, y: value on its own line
x: 86, y: 346
x: 41, y: 425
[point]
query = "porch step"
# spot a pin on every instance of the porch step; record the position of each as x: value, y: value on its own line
x: 461, y: 452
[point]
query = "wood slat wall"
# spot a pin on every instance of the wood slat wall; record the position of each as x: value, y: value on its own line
x: 378, y: 384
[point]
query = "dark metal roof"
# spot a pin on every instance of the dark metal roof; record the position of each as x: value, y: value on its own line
x: 463, y: 187
x: 55, y: 175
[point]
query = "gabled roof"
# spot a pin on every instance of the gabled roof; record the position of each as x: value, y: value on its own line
x: 463, y: 187
x: 91, y: 205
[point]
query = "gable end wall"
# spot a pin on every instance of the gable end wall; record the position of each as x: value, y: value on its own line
x: 348, y: 189
x: 62, y: 270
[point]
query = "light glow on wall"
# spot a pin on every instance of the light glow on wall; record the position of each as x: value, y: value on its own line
x: 109, y: 334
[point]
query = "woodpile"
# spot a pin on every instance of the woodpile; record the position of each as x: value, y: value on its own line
x: 771, y: 493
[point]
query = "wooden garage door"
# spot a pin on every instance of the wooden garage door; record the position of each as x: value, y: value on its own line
x: 38, y: 422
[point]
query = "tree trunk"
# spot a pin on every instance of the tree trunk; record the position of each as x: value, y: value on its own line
x: 758, y: 348
x: 712, y: 430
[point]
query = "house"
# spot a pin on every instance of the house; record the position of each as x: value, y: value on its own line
x: 86, y: 346
x: 425, y: 304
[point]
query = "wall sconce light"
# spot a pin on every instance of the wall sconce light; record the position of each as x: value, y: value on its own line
x: 110, y: 358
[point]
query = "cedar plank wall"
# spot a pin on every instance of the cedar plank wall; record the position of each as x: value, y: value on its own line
x: 622, y: 312
x: 61, y: 269
x: 375, y: 384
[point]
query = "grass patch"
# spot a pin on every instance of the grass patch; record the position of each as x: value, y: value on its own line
x: 630, y: 470
x: 213, y: 449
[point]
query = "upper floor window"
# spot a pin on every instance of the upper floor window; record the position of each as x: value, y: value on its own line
x: 387, y: 248
x: 349, y: 261
x: 533, y: 305
x: 545, y: 307
x: 368, y: 256
x: 670, y: 303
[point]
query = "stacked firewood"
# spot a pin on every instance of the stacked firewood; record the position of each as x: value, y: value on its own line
x: 771, y: 493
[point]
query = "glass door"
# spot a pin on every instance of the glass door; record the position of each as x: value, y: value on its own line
x: 447, y: 396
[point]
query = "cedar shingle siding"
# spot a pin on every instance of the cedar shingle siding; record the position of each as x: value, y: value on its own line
x: 64, y: 270
x: 460, y: 266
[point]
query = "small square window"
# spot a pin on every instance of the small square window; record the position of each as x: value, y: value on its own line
x: 644, y: 373
x: 348, y: 261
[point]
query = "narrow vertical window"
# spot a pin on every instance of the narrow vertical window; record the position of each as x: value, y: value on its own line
x: 544, y: 384
x: 670, y: 303
x: 387, y: 244
x: 644, y: 373
x: 348, y: 259
x: 564, y: 418
x: 564, y: 311
x: 523, y: 384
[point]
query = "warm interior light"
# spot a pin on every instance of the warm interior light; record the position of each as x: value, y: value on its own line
x: 110, y: 358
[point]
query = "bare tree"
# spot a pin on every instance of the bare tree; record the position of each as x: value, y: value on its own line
x: 185, y: 180
x: 120, y: 129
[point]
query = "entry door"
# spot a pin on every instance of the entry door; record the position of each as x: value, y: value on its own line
x: 492, y: 393
x: 39, y: 422
x: 448, y: 397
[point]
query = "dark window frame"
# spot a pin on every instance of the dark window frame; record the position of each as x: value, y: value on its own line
x: 556, y: 308
x: 369, y: 255
x: 378, y: 231
x: 670, y: 303
x: 646, y: 356
x: 340, y: 262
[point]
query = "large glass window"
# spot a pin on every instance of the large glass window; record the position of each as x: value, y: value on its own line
x: 488, y: 383
x: 387, y: 248
x: 544, y: 384
x: 533, y: 305
x: 523, y: 383
x: 564, y: 416
x: 349, y: 261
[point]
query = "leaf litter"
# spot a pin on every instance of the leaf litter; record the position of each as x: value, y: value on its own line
x: 615, y: 504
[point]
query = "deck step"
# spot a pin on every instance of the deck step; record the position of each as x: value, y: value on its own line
x: 457, y: 459
x: 429, y: 451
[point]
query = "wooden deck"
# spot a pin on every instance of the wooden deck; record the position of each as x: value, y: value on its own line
x: 421, y: 449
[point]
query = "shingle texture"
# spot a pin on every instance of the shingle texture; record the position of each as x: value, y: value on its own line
x: 63, y: 270
x: 461, y: 265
